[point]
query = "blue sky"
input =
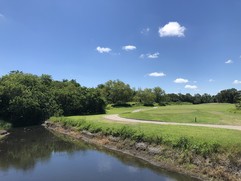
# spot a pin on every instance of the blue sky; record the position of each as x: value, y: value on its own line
x: 182, y: 46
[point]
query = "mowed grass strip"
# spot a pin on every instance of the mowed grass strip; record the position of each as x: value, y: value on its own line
x: 225, y: 114
x: 197, y: 137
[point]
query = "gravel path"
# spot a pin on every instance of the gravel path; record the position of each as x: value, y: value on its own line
x: 116, y: 117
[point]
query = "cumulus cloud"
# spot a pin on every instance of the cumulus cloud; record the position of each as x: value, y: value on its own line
x: 103, y: 49
x: 193, y: 87
x: 229, y: 61
x: 237, y: 82
x: 154, y: 55
x: 129, y: 47
x: 157, y: 74
x: 145, y: 31
x: 181, y: 81
x: 172, y: 29
x: 149, y: 55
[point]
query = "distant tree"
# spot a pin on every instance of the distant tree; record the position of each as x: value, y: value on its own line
x: 159, y: 95
x: 197, y: 99
x: 206, y: 98
x: 146, y: 97
x: 173, y: 98
x: 189, y: 98
x: 228, y: 96
x: 116, y: 92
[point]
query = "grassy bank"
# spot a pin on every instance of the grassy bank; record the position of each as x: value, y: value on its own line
x: 4, y: 126
x: 200, y: 140
x: 202, y: 151
x: 202, y: 113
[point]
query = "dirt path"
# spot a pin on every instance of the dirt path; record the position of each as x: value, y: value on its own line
x: 117, y: 118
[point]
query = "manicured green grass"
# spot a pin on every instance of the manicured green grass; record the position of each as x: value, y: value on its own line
x: 203, y: 113
x: 125, y: 109
x: 200, y: 139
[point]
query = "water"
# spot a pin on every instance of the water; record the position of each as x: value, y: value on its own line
x: 35, y: 154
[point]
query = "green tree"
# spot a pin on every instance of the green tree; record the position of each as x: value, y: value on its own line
x: 25, y: 100
x: 228, y: 96
x: 159, y: 95
x: 146, y: 96
x: 116, y: 92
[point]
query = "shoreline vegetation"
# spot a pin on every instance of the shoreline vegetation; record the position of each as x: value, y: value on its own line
x: 205, y: 153
x: 212, y: 153
x: 27, y: 99
x: 4, y: 127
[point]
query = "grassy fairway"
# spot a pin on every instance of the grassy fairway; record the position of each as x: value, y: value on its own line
x: 204, y: 113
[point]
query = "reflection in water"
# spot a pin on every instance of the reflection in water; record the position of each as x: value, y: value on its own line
x: 37, y: 154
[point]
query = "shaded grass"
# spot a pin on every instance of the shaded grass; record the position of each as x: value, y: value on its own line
x: 203, y: 113
x: 199, y: 140
x: 4, y: 125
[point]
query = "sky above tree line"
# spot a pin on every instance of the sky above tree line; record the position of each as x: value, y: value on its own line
x: 185, y: 46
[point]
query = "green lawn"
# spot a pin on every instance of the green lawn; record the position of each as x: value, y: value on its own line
x: 198, y: 137
x: 204, y: 113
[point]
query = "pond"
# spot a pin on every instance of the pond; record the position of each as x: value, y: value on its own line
x: 36, y: 154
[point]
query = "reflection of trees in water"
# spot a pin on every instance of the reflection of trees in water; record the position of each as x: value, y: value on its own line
x: 25, y: 146
x: 134, y: 164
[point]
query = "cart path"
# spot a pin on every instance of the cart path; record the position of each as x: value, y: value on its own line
x: 117, y: 118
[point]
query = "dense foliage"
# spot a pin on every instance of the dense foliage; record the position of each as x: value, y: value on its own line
x: 116, y: 92
x: 27, y: 99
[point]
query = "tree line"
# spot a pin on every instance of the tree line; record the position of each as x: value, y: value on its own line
x: 27, y: 99
x: 117, y: 92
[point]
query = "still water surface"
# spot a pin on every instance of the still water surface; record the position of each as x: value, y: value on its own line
x: 36, y: 154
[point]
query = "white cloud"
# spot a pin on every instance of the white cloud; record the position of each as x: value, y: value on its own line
x: 129, y: 47
x: 142, y: 56
x: 154, y: 55
x: 149, y: 55
x: 193, y: 87
x: 211, y: 80
x: 145, y: 31
x: 237, y: 82
x: 103, y: 49
x: 172, y: 29
x: 157, y: 74
x: 181, y: 81
x: 229, y: 61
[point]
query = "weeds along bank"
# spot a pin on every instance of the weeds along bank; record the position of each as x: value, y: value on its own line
x: 3, y: 129
x: 202, y: 152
